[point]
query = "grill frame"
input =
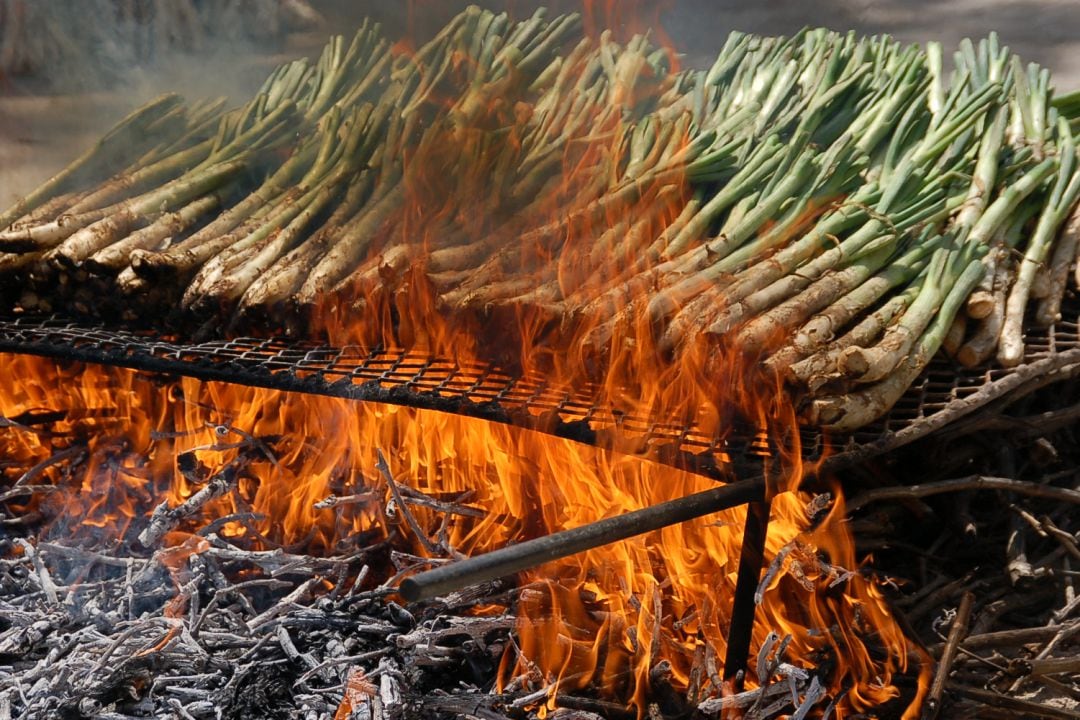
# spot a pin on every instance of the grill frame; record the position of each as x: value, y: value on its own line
x: 944, y: 391
x: 942, y: 394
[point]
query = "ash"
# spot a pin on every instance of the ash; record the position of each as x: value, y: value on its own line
x: 231, y: 633
x: 234, y: 633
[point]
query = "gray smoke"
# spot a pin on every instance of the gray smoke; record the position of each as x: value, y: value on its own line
x: 69, y: 69
x: 64, y: 46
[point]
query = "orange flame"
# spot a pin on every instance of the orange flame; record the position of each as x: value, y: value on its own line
x: 602, y: 619
x: 554, y: 274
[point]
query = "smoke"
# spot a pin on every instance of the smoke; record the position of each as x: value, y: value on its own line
x: 1042, y: 31
x: 69, y: 47
x: 69, y: 70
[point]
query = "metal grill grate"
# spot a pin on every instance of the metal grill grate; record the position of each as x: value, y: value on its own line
x: 396, y: 377
x: 484, y: 391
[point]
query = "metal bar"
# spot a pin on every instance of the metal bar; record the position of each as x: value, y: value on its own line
x: 743, y: 607
x: 515, y: 558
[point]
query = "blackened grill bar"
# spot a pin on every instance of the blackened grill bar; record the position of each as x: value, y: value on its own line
x: 404, y: 378
x: 532, y: 553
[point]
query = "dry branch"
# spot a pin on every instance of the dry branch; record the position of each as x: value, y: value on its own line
x: 975, y: 482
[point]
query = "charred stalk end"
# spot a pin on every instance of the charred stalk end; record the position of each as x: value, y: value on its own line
x: 17, y: 246
x: 980, y: 304
x: 826, y: 412
x: 102, y: 268
x: 853, y: 362
x: 954, y: 339
x: 60, y: 260
x: 1011, y: 352
x: 970, y: 357
x: 153, y: 266
x: 128, y: 283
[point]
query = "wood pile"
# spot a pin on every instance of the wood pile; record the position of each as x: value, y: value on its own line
x: 979, y: 526
x: 981, y: 555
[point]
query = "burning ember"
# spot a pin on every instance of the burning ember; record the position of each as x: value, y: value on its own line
x: 716, y: 250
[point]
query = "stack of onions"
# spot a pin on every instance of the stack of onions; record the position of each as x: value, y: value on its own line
x: 834, y: 205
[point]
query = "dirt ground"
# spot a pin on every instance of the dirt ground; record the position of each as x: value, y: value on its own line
x: 39, y: 134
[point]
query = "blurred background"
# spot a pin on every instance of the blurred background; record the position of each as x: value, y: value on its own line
x: 68, y: 69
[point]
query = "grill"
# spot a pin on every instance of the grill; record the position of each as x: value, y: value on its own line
x: 945, y: 392
x: 397, y: 377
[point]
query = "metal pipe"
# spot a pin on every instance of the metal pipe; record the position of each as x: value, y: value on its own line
x: 515, y: 558
x: 744, y: 607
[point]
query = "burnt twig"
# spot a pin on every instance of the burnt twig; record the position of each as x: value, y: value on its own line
x: 73, y: 453
x: 332, y: 501
x: 956, y: 634
x: 384, y: 469
x: 1026, y: 708
x: 164, y: 519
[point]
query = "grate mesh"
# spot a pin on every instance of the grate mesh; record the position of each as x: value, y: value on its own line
x: 397, y: 377
x: 484, y: 391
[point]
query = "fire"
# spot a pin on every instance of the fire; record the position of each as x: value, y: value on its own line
x: 558, y: 294
x: 605, y: 619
